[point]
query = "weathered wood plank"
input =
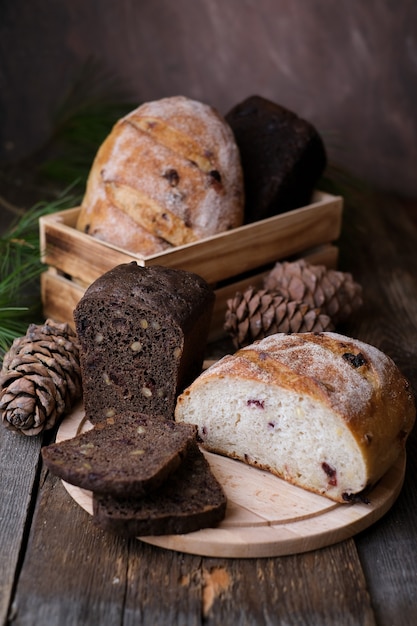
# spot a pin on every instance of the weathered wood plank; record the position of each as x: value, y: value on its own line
x: 319, y: 588
x: 324, y: 587
x: 163, y: 587
x: 73, y: 573
x: 387, y: 269
x: 85, y: 576
x: 19, y: 461
x: 388, y: 553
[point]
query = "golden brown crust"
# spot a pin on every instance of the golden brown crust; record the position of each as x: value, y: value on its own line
x: 169, y: 173
x: 350, y: 378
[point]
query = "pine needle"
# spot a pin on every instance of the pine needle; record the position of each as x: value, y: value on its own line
x: 20, y: 269
x: 10, y: 327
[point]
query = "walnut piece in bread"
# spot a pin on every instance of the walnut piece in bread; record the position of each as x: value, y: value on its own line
x: 323, y: 411
x: 169, y: 173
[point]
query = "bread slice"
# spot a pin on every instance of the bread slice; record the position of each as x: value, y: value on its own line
x: 129, y: 454
x: 190, y: 499
x: 325, y: 412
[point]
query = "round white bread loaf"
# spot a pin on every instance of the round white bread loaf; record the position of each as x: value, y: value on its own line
x: 325, y: 412
x: 169, y: 173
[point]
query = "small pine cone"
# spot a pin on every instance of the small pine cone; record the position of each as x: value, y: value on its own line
x: 257, y: 313
x: 40, y: 378
x: 334, y: 292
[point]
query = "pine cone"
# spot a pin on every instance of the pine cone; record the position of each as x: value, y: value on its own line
x: 336, y: 293
x: 40, y: 378
x: 257, y: 313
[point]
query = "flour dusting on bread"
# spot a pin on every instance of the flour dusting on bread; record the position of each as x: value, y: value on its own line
x: 323, y: 411
x: 168, y: 174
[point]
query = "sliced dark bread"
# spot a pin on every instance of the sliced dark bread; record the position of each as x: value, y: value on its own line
x: 129, y: 454
x: 190, y: 499
x: 142, y: 334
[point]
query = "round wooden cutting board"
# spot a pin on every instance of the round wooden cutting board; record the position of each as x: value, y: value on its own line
x: 265, y: 516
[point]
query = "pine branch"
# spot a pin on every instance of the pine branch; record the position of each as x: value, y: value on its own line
x: 20, y: 268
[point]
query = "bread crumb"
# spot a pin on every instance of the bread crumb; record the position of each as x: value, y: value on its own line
x: 215, y: 583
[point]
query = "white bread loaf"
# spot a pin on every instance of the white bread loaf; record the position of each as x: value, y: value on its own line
x: 169, y: 173
x: 325, y: 412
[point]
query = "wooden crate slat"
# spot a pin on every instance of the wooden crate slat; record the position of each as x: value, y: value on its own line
x: 60, y: 295
x: 216, y: 258
x: 252, y: 246
x: 74, y: 253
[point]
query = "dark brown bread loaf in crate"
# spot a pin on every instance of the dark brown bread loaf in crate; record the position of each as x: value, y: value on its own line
x: 142, y: 334
x: 129, y: 454
x: 190, y: 499
x: 282, y: 155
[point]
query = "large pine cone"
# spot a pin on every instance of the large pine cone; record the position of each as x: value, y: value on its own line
x: 257, y: 313
x: 334, y: 292
x: 40, y: 378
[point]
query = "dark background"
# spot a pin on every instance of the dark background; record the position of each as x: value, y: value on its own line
x: 348, y: 66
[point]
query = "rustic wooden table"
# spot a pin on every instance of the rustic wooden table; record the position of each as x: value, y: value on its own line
x: 57, y: 568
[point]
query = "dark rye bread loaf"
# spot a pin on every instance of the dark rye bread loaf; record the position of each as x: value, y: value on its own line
x: 190, y: 499
x: 142, y: 334
x: 282, y: 155
x: 129, y: 454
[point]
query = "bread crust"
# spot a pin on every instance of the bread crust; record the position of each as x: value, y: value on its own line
x: 283, y: 156
x: 168, y: 174
x: 354, y: 383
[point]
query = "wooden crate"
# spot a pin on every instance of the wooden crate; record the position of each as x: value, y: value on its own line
x: 229, y: 261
